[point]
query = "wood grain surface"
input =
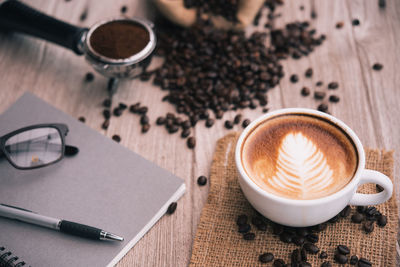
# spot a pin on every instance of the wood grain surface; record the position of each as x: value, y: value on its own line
x: 369, y: 99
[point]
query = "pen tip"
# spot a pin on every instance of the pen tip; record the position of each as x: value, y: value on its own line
x: 111, y: 236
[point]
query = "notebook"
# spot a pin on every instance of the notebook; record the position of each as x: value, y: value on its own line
x: 106, y: 185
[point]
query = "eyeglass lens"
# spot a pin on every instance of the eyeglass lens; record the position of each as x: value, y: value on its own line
x: 34, y: 147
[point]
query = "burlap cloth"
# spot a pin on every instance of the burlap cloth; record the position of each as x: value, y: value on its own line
x: 218, y: 243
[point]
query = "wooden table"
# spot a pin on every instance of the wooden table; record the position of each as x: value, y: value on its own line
x: 369, y: 99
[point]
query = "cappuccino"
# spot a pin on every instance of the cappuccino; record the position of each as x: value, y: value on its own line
x: 299, y: 156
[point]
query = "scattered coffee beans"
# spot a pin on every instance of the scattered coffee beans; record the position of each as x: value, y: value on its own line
x: 172, y: 207
x: 382, y: 220
x: 294, y: 78
x: 377, y: 66
x: 326, y: 264
x: 202, y: 180
x: 353, y: 260
x: 105, y: 124
x: 357, y: 217
x: 191, y: 142
x: 279, y: 263
x: 107, y: 103
x: 89, y: 77
x: 342, y: 249
x: 249, y: 236
x: 298, y: 240
x: 313, y: 238
x: 363, y: 262
x: 117, y: 112
x: 242, y: 219
x: 311, y: 248
x: 319, y: 95
x: 228, y: 124
x: 244, y: 228
x: 82, y: 119
x: 266, y: 257
x: 84, y: 14
x: 323, y: 107
x: 305, y: 91
x: 323, y: 255
x: 116, y: 138
x: 309, y: 73
x: 106, y: 114
x: 123, y: 9
x: 333, y: 85
x: 237, y: 119
x: 245, y: 123
x: 382, y: 3
x: 319, y: 83
x: 346, y: 211
x: 355, y: 22
x: 334, y: 98
x: 368, y: 226
x: 145, y: 128
x: 339, y: 25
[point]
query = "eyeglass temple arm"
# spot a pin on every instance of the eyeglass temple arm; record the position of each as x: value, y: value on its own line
x: 68, y: 151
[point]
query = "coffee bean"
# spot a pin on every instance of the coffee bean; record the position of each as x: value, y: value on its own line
x: 305, y: 264
x: 245, y: 123
x: 219, y: 114
x: 117, y: 112
x: 361, y: 209
x: 382, y: 3
x: 256, y: 221
x: 160, y: 121
x: 353, y: 260
x: 286, y: 237
x: 89, y: 77
x: 339, y: 25
x: 302, y: 232
x: 186, y: 124
x: 313, y: 238
x: 172, y: 207
x: 296, y: 256
x: 142, y: 110
x: 342, y: 249
x: 209, y: 123
x: 319, y: 83
x: 134, y: 108
x: 244, y: 228
x: 124, y: 9
x: 106, y: 114
x: 82, y: 119
x: 368, y: 226
x: 311, y: 248
x: 377, y: 66
x: 237, y: 119
x: 345, y: 212
x: 145, y: 128
x: 144, y: 120
x: 334, y: 98
x: 370, y: 211
x: 191, y: 142
x: 228, y: 124
x: 364, y: 262
x: 323, y: 255
x: 309, y: 73
x: 313, y: 14
x: 294, y: 78
x: 105, y: 124
x: 319, y: 95
x: 379, y: 188
x: 357, y: 217
x: 305, y: 91
x: 173, y: 129
x: 249, y: 236
x: 84, y: 14
x: 321, y: 227
x: 202, y: 180
x: 265, y: 110
x: 298, y: 240
x: 340, y: 258
x: 185, y: 133
x: 326, y: 264
x: 242, y: 219
x: 107, y: 103
x: 279, y: 263
x: 333, y: 85
x: 322, y: 107
x: 122, y: 106
x: 266, y: 257
x: 355, y: 22
x: 116, y: 138
x: 382, y: 221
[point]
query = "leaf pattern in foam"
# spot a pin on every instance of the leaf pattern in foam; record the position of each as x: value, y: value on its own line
x: 301, y: 167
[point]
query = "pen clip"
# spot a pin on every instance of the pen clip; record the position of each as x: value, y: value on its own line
x: 9, y: 206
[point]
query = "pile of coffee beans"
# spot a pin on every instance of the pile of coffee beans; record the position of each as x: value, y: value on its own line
x: 307, y: 238
x: 368, y: 216
x: 226, y: 9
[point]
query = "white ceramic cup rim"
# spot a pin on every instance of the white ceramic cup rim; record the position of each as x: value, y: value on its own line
x: 300, y: 202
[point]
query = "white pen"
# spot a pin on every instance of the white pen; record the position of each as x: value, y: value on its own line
x: 68, y: 227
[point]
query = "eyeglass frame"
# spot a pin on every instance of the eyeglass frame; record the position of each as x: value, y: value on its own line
x: 60, y: 127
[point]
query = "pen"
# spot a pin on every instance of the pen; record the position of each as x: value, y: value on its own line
x: 68, y: 227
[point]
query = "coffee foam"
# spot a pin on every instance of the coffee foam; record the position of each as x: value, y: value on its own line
x: 299, y: 157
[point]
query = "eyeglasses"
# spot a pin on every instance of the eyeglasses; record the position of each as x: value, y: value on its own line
x: 36, y: 146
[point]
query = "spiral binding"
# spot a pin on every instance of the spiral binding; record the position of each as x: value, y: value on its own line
x: 7, y: 260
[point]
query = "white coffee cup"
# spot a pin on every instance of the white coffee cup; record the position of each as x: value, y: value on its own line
x: 302, y: 213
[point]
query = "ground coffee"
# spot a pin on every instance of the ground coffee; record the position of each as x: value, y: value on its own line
x: 119, y: 39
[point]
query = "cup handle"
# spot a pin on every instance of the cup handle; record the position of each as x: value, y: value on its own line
x: 370, y: 176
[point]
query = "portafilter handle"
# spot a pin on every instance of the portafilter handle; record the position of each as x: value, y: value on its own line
x: 18, y: 17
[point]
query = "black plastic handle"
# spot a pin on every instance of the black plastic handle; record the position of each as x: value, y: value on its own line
x: 16, y: 16
x: 80, y: 230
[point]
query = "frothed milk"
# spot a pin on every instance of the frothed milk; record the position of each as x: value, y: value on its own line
x: 299, y: 156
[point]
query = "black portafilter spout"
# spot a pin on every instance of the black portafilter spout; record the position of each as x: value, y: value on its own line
x: 18, y: 17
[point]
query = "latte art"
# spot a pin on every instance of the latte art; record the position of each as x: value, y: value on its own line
x: 301, y: 167
x: 299, y: 157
